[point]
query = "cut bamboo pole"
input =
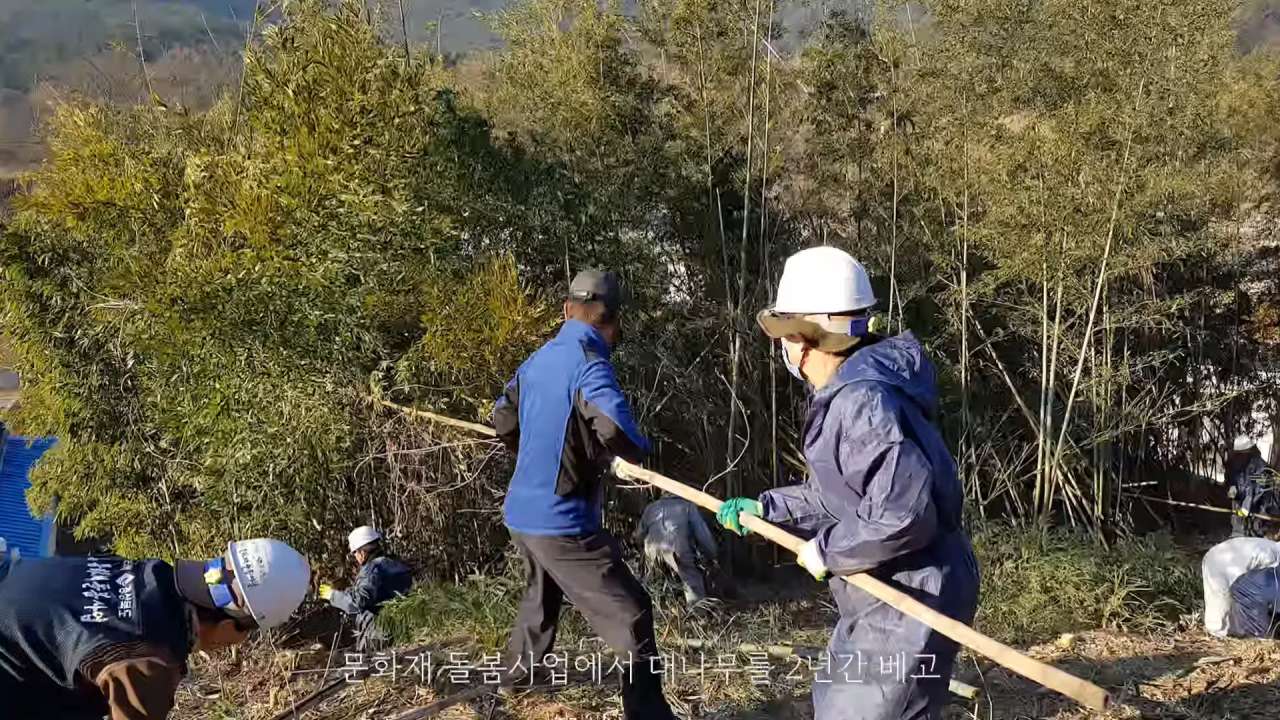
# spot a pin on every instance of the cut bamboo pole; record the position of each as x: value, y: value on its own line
x: 1080, y: 690
x: 1210, y: 508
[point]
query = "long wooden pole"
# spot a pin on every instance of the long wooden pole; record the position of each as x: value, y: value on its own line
x: 1078, y: 689
x: 1210, y: 508
x: 1082, y: 691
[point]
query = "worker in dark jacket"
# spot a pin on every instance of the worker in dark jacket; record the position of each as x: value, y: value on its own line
x: 882, y: 496
x: 671, y: 532
x: 84, y: 637
x: 1250, y: 488
x: 381, y: 577
x: 565, y: 417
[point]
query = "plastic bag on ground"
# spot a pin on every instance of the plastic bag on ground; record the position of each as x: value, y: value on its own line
x: 1254, y: 597
x: 1222, y: 565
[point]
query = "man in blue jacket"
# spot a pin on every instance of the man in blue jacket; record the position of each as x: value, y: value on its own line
x: 882, y: 495
x: 565, y: 417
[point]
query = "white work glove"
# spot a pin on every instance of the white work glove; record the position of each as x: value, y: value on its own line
x: 810, y: 558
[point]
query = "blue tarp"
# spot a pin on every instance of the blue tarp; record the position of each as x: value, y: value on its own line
x: 33, y: 537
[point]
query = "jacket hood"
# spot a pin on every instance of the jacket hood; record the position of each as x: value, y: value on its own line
x: 898, y: 361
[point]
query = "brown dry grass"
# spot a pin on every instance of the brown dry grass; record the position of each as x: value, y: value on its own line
x: 1149, y: 676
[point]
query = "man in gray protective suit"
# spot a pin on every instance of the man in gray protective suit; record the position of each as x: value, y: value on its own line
x: 882, y: 495
x: 673, y: 533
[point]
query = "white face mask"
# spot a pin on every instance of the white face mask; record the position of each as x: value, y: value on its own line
x: 792, y: 368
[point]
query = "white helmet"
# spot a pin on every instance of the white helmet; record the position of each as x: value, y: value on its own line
x: 1243, y: 443
x: 362, y: 536
x: 823, y: 280
x: 820, y: 289
x: 271, y: 577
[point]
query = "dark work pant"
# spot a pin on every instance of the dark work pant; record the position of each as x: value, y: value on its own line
x: 589, y: 571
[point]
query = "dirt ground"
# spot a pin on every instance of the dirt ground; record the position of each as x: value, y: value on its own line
x: 1186, y: 674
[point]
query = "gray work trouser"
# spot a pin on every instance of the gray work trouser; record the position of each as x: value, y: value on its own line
x: 588, y: 571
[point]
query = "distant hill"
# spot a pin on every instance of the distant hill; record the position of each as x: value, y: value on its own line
x: 43, y: 36
x: 191, y: 47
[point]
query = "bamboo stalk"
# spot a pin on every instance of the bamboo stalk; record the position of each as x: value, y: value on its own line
x: 435, y: 708
x: 1047, y: 418
x: 142, y: 59
x: 893, y: 226
x: 764, y: 254
x: 341, y: 685
x: 404, y: 34
x: 1100, y: 284
x: 965, y: 420
x: 1044, y: 369
x: 442, y: 419
x: 244, y: 71
x: 735, y: 359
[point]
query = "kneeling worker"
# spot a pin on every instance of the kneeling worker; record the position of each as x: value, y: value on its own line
x: 672, y: 532
x: 381, y: 577
x: 84, y: 637
x: 882, y: 495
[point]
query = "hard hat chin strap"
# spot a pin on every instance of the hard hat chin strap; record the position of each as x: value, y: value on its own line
x: 215, y: 576
x: 855, y: 325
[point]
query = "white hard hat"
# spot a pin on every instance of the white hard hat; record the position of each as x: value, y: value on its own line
x: 271, y: 577
x: 823, y: 280
x: 362, y: 536
x: 1243, y: 443
x: 819, y: 289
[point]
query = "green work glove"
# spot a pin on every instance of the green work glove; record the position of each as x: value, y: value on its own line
x: 729, y: 510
